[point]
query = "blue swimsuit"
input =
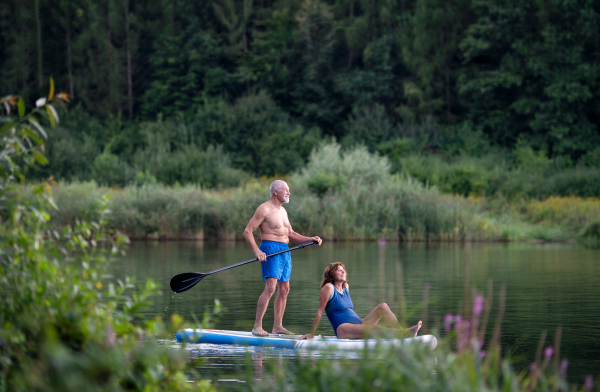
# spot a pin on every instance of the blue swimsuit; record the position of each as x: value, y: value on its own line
x: 339, y: 310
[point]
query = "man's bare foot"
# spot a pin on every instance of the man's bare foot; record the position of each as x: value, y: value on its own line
x: 416, y: 328
x: 258, y: 331
x: 282, y: 331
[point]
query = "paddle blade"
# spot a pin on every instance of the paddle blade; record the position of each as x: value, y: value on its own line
x: 185, y: 281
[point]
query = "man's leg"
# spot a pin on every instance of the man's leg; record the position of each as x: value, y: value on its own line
x: 283, y: 288
x: 261, y: 308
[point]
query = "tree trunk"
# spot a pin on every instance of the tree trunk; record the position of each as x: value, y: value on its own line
x: 70, y: 56
x: 38, y: 23
x: 448, y: 113
x: 109, y: 54
x: 129, y: 70
x: 245, y: 22
x: 351, y: 14
x: 447, y: 39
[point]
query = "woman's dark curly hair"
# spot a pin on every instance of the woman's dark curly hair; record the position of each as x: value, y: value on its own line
x: 329, y: 274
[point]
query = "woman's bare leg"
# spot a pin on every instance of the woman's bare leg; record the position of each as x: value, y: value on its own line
x: 360, y: 331
x: 382, y: 310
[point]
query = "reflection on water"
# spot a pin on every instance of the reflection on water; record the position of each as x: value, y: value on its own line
x: 548, y: 285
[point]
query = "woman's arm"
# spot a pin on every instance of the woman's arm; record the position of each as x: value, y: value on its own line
x: 326, y: 292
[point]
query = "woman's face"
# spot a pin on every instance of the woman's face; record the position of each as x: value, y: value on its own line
x: 340, y: 274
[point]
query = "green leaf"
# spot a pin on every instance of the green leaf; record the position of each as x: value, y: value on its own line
x: 51, y: 95
x: 21, y: 105
x: 50, y: 109
x: 6, y: 126
x: 29, y: 133
x: 51, y: 116
x: 38, y: 127
x: 42, y: 160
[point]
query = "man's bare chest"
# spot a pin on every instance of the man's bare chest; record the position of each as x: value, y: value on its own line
x: 275, y: 220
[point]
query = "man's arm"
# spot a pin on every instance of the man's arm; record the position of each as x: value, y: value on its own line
x: 257, y: 219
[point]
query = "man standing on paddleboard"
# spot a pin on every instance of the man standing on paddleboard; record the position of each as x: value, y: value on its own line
x: 275, y: 233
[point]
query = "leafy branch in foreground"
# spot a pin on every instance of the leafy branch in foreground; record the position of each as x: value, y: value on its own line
x: 61, y: 327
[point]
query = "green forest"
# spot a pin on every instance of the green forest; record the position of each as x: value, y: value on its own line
x: 476, y: 97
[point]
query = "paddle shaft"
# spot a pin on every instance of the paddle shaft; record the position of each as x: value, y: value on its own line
x: 256, y: 259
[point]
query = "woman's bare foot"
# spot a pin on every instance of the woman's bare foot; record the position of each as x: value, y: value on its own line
x: 282, y: 331
x: 258, y: 331
x: 416, y: 328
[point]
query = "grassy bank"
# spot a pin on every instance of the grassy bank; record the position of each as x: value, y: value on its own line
x: 399, y: 209
x: 350, y: 195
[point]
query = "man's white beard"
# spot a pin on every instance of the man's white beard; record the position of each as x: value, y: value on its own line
x: 286, y: 199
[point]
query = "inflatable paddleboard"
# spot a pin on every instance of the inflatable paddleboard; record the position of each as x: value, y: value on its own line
x: 291, y: 341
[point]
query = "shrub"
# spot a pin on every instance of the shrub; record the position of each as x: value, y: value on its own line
x: 356, y: 165
x: 395, y: 150
x: 63, y: 328
x: 464, y: 176
x: 261, y: 138
x: 144, y: 179
x: 109, y: 170
x: 592, y: 158
x: 582, y: 182
x: 371, y: 126
x: 322, y: 182
x: 592, y: 231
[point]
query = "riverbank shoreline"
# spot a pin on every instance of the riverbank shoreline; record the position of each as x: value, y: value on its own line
x: 399, y: 210
x: 397, y: 241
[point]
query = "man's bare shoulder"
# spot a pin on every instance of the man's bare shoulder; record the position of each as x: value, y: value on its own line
x: 264, y: 209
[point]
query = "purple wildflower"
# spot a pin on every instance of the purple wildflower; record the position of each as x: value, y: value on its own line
x: 564, y: 364
x: 478, y: 306
x: 111, y: 337
x: 463, y: 334
x: 532, y: 367
x: 381, y: 241
x: 589, y: 383
x: 448, y: 322
x: 481, y: 354
x: 548, y: 353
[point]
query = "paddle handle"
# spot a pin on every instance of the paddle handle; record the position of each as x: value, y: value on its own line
x: 253, y: 260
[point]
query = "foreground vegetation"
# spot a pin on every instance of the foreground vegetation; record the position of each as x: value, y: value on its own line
x: 339, y: 195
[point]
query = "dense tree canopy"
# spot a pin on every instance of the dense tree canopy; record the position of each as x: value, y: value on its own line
x: 444, y: 73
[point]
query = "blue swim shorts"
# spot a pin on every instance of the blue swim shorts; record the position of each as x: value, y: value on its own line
x: 278, y: 267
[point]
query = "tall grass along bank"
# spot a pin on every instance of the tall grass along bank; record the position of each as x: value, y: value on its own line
x: 338, y: 195
x: 399, y: 209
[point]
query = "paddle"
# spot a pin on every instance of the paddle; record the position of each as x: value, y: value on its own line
x: 187, y: 280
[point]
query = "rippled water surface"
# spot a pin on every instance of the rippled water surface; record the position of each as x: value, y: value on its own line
x: 548, y: 285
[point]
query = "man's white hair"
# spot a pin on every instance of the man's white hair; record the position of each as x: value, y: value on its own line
x: 277, y: 184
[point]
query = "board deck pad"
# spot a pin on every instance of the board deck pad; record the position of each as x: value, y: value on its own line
x: 291, y: 341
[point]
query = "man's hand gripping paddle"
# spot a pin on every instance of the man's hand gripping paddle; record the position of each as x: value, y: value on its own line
x: 187, y: 280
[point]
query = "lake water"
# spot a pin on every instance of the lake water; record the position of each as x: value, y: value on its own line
x: 547, y: 286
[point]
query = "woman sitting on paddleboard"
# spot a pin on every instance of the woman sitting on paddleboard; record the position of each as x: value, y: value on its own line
x: 336, y: 303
